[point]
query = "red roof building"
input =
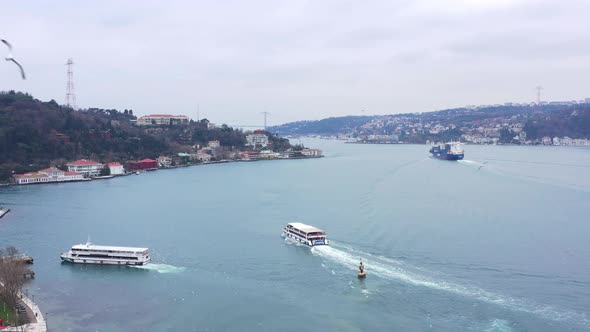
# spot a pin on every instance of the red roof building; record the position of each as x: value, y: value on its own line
x: 142, y: 165
x: 83, y: 162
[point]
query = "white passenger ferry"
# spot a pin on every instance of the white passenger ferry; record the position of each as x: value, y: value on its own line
x: 92, y: 254
x: 305, y: 234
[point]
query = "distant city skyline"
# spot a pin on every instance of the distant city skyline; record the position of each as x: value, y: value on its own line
x: 299, y: 60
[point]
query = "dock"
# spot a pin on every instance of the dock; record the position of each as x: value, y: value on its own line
x: 4, y: 211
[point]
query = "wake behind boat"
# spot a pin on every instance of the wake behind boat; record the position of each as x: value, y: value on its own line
x: 93, y: 254
x: 305, y: 234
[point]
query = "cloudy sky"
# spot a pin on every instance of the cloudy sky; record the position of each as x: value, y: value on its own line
x: 298, y: 59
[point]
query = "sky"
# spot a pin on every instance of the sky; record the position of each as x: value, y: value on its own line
x: 298, y: 60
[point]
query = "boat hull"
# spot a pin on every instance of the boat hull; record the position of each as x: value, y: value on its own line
x: 303, y: 241
x: 448, y: 156
x: 77, y: 260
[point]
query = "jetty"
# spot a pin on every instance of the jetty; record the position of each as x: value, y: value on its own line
x: 4, y: 211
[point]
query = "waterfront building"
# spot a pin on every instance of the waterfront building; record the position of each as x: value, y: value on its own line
x: 164, y: 161
x: 556, y: 140
x: 57, y: 175
x: 30, y: 178
x: 143, y: 165
x: 581, y: 142
x: 116, y: 168
x: 47, y: 175
x: 311, y: 152
x: 88, y: 168
x: 249, y: 156
x: 257, y: 139
x: 547, y: 140
x: 162, y: 119
x: 213, y: 144
x: 203, y: 156
x: 268, y: 154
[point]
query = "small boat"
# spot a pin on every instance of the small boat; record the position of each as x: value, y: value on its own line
x: 93, y: 254
x: 305, y: 234
x: 137, y: 173
x: 450, y: 151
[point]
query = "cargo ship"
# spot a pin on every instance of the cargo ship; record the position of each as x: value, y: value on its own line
x: 450, y: 151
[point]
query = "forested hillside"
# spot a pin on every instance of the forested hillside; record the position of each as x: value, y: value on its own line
x: 36, y: 134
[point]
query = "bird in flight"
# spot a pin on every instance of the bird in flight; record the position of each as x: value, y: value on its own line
x: 482, y: 165
x: 9, y: 57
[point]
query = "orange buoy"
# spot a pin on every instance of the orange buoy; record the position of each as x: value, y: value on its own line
x: 361, y: 273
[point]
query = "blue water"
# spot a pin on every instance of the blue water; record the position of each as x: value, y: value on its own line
x: 496, y: 242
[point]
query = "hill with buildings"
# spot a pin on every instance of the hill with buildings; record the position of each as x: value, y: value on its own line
x: 35, y: 134
x: 509, y: 123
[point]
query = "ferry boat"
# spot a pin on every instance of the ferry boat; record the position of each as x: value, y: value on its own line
x: 305, y: 234
x: 450, y: 151
x: 92, y: 254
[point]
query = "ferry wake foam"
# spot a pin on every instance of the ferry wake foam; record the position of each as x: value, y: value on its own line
x: 389, y: 269
x: 161, y: 268
x: 471, y: 163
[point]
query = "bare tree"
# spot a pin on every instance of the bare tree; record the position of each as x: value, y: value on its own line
x: 11, y: 251
x: 12, y: 271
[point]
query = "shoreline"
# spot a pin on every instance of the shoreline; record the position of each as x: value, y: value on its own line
x: 157, y: 169
x: 40, y: 325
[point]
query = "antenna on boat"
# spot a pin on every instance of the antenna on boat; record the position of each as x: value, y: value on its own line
x: 88, y: 240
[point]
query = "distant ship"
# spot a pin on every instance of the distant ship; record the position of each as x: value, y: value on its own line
x: 450, y: 151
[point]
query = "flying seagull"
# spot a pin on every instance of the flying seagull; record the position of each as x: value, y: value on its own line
x: 9, y: 57
x: 482, y: 165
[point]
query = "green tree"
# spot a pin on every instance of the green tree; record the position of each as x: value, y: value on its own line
x: 105, y: 171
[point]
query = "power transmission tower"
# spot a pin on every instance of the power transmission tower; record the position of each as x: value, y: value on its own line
x: 539, y: 88
x: 70, y: 94
x: 265, y: 115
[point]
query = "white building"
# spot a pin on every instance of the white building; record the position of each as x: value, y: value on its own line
x: 47, y: 175
x: 162, y: 119
x: 30, y: 178
x: 257, y: 140
x: 203, y: 156
x: 547, y: 140
x: 164, y: 161
x: 116, y: 168
x: 89, y: 168
x: 268, y: 154
x: 213, y: 144
x: 311, y: 152
x: 566, y: 141
x: 556, y: 140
